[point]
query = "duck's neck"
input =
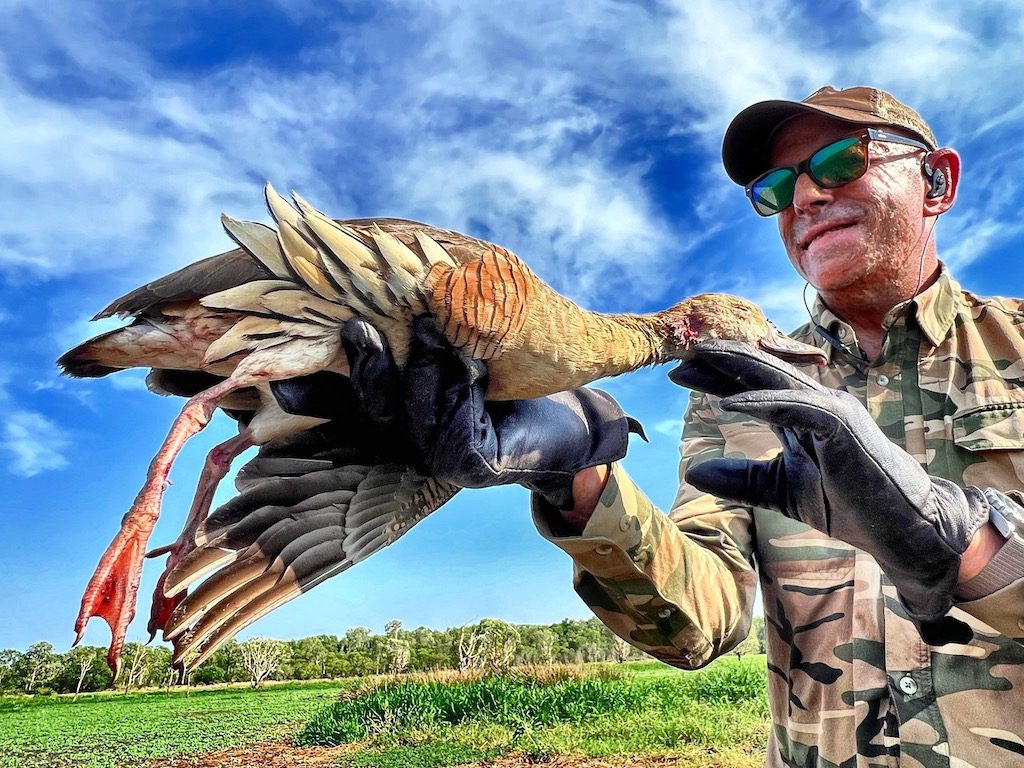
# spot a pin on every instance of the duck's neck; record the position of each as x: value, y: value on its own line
x: 639, y: 341
x: 609, y: 345
x: 570, y: 348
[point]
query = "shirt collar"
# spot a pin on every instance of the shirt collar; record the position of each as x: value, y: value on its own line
x: 934, y: 308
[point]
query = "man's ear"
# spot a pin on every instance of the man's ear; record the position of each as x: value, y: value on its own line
x: 942, y: 177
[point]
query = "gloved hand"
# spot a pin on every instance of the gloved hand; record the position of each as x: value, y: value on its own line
x: 456, y: 437
x: 838, y: 473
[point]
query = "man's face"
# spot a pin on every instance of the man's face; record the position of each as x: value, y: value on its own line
x: 867, y: 231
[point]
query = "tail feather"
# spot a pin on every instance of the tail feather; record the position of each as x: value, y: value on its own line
x: 405, y: 269
x: 282, y: 211
x: 97, y: 357
x: 146, y: 343
x: 86, y: 360
x: 350, y: 260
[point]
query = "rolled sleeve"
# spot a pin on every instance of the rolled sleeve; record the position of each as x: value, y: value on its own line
x: 996, y: 595
x: 645, y: 579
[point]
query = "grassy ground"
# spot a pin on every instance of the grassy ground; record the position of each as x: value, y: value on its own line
x: 715, y: 716
x: 110, y: 731
x: 639, y: 714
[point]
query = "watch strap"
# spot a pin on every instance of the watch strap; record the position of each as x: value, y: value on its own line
x: 1007, y: 565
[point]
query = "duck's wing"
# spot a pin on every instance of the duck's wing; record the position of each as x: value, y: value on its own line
x: 201, y: 278
x: 310, y: 507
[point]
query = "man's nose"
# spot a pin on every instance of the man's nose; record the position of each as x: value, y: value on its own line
x: 808, y: 196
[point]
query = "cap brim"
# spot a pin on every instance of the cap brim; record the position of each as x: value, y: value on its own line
x: 746, y: 148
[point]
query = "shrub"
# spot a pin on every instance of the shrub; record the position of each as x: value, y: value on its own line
x: 733, y: 683
x: 516, y: 700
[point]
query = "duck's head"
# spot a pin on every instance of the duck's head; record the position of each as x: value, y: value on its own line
x: 710, y: 316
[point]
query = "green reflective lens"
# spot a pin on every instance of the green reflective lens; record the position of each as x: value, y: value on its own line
x: 773, y: 191
x: 831, y: 166
x: 839, y: 163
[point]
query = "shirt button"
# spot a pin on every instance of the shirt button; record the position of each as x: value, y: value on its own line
x: 603, y: 549
x: 883, y: 380
x: 842, y: 333
x: 625, y: 522
x: 908, y: 685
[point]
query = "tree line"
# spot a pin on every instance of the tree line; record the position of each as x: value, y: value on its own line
x: 489, y: 643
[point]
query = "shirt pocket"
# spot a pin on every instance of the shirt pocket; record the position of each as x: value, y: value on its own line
x: 989, y: 442
x: 993, y: 426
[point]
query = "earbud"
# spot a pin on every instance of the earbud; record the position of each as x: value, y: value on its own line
x: 936, y: 178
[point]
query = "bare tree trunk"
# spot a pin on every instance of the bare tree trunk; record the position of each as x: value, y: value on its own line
x: 83, y: 670
x: 134, y: 673
x: 261, y: 656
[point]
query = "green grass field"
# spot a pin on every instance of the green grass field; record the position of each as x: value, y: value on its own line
x: 717, y: 716
x: 110, y: 730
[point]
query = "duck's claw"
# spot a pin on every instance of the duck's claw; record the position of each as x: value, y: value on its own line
x: 162, y: 606
x: 112, y: 591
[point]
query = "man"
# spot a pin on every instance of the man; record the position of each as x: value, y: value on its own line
x: 892, y: 576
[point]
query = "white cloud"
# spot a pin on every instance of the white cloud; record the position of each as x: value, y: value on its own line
x: 156, y: 168
x: 129, y: 381
x: 723, y: 57
x: 585, y: 225
x: 35, y: 443
x: 971, y: 239
x: 503, y: 117
x: 669, y: 427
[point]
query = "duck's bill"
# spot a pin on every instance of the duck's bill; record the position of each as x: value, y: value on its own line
x: 790, y: 350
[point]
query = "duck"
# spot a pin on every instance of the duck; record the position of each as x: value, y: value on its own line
x: 230, y: 332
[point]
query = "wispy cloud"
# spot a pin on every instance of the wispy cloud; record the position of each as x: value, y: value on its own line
x: 35, y: 443
x: 529, y: 161
x: 669, y: 427
x: 503, y: 120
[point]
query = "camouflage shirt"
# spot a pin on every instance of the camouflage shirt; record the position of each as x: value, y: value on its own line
x: 851, y: 682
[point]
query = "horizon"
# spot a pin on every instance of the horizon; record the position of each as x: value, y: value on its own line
x: 340, y: 635
x: 587, y: 141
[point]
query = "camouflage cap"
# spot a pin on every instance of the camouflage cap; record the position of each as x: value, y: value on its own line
x: 746, y: 150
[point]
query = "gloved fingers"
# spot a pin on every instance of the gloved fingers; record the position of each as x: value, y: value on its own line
x: 801, y: 411
x: 445, y: 391
x: 726, y: 368
x: 372, y: 370
x: 756, y: 483
x: 840, y: 419
x: 429, y: 343
x: 427, y: 333
x: 944, y: 630
x: 324, y: 394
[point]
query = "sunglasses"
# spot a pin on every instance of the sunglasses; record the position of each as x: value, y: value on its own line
x: 831, y: 166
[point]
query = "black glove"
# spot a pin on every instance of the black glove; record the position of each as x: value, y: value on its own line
x: 456, y: 437
x: 838, y: 473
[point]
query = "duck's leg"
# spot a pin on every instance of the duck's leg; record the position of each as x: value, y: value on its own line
x: 218, y: 462
x: 112, y: 590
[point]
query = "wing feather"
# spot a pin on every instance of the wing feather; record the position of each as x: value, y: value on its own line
x: 287, y: 534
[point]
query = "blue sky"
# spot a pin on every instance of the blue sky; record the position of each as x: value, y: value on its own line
x: 584, y: 139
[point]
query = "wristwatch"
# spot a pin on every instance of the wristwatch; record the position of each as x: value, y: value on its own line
x: 1007, y: 565
x: 1004, y: 513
